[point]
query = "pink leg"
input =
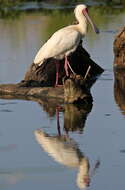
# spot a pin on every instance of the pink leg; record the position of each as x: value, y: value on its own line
x: 66, y: 66
x: 57, y: 73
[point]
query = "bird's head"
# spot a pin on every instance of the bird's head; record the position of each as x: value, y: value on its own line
x: 83, y: 10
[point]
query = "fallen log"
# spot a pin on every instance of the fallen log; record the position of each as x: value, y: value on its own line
x: 39, y: 80
x: 119, y: 49
x: 73, y: 92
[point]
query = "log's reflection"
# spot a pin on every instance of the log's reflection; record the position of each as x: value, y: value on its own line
x: 75, y: 116
x: 119, y: 88
x: 65, y: 150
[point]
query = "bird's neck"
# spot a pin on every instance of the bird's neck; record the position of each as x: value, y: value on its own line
x: 82, y: 24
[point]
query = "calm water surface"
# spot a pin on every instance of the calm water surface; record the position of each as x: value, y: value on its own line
x: 40, y: 159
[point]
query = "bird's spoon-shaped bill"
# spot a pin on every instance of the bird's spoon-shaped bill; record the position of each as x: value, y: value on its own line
x: 85, y: 13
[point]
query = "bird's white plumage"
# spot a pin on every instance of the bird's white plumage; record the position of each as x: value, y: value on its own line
x: 57, y: 46
x: 65, y: 40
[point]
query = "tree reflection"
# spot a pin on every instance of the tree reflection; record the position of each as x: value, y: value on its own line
x: 119, y: 88
x: 98, y: 8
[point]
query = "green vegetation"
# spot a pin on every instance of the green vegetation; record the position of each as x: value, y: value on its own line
x: 10, y: 8
x: 6, y: 8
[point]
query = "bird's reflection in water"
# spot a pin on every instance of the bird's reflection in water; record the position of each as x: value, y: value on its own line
x: 65, y: 151
x: 63, y: 148
x: 119, y: 88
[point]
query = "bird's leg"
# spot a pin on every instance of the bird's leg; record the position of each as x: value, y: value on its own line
x: 57, y: 73
x: 66, y: 66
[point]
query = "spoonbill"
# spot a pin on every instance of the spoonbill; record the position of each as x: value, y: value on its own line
x: 65, y: 41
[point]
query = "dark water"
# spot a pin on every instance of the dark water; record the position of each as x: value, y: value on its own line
x: 40, y: 159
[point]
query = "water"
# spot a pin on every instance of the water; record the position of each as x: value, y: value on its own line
x: 26, y: 162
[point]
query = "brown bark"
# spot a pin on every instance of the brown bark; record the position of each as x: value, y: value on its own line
x: 119, y: 88
x: 119, y: 49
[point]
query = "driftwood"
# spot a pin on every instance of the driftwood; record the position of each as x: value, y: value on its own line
x: 39, y: 80
x: 119, y: 49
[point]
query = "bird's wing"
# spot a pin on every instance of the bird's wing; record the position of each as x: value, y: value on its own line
x: 60, y: 42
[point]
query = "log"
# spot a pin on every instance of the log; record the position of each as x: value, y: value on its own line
x: 75, y: 90
x: 38, y: 81
x: 119, y: 49
x: 15, y: 90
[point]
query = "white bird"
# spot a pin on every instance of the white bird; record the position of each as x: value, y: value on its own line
x: 65, y: 41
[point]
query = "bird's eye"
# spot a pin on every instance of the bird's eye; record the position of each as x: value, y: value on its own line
x: 86, y: 10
